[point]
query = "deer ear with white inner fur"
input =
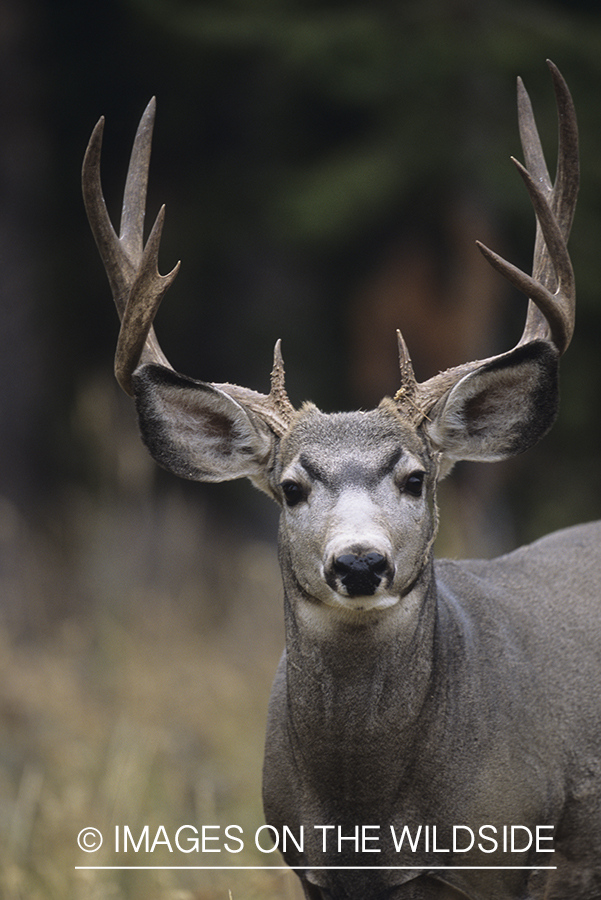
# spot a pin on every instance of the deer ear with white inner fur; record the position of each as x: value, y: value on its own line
x: 197, y: 431
x: 500, y: 409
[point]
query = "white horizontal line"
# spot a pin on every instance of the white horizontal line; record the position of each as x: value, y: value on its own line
x: 321, y: 868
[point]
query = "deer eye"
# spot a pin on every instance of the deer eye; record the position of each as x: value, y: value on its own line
x: 293, y: 492
x: 414, y: 484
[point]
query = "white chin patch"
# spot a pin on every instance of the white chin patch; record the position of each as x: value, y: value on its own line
x: 375, y: 601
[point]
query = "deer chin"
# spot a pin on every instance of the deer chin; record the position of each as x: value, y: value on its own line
x: 368, y: 603
x: 329, y: 597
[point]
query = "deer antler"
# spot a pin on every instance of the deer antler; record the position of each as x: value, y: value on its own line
x: 550, y: 288
x: 137, y: 286
x: 136, y: 283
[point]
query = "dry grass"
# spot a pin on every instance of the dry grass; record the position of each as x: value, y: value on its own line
x: 139, y: 707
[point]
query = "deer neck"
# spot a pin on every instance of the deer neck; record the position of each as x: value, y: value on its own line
x: 356, y: 686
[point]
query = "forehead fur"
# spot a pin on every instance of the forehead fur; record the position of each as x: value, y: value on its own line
x: 375, y: 431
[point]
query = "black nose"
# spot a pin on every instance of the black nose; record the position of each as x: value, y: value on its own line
x: 360, y: 574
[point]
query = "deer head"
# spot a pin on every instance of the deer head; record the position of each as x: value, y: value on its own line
x: 355, y: 489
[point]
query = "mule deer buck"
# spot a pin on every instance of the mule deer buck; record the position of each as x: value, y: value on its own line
x: 435, y: 727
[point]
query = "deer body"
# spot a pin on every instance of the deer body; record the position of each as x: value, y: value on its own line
x: 412, y: 694
x: 457, y: 718
x: 444, y: 707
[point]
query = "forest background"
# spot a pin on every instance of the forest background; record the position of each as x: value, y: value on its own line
x: 327, y: 168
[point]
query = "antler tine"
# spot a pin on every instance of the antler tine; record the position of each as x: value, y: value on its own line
x: 137, y: 341
x: 551, y: 288
x: 136, y: 284
x: 119, y: 268
x: 133, y: 210
x: 551, y: 309
x: 568, y: 169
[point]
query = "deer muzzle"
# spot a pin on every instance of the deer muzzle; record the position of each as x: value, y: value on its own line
x: 359, y: 573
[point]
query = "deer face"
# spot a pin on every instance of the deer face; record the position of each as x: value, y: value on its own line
x: 355, y: 490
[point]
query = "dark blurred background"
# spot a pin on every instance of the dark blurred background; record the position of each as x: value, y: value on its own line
x: 327, y: 167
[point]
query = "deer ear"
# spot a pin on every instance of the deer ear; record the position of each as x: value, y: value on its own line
x: 197, y: 431
x: 500, y: 409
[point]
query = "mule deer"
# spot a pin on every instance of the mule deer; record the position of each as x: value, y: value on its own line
x: 434, y: 728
